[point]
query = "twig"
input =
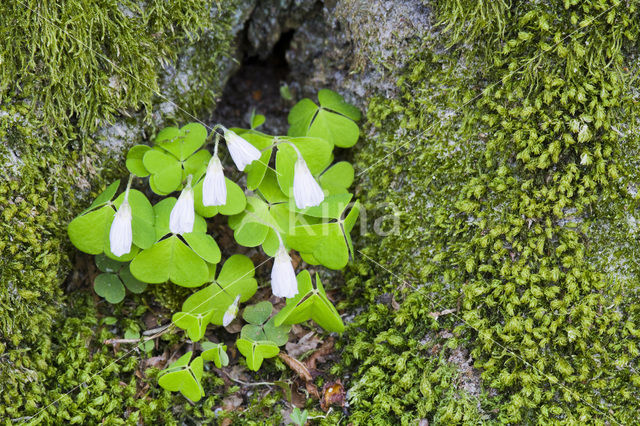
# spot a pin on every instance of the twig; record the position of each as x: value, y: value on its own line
x: 163, y: 330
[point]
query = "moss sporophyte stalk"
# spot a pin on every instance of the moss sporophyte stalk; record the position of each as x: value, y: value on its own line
x: 169, y: 240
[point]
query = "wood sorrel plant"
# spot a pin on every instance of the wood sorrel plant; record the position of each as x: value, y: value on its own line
x: 296, y: 200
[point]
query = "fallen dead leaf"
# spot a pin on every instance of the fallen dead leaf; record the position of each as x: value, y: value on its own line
x: 332, y: 394
x: 323, y: 351
x: 299, y: 368
x: 306, y: 343
x: 312, y: 389
x: 155, y: 361
x: 231, y: 402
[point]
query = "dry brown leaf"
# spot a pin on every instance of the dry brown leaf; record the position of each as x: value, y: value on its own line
x: 313, y: 390
x: 324, y: 350
x: 306, y: 343
x: 231, y: 402
x: 300, y: 369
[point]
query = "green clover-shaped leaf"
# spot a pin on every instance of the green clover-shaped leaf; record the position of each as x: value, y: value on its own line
x: 235, y: 278
x: 182, y: 142
x: 174, y: 157
x: 256, y: 351
x: 194, y: 324
x: 329, y: 243
x: 216, y: 352
x: 258, y: 314
x: 171, y: 259
x: 337, y: 178
x: 184, y: 377
x: 310, y: 303
x: 334, y: 120
x: 110, y: 287
x: 134, y: 160
x: 268, y: 331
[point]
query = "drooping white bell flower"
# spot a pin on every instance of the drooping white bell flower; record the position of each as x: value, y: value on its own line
x: 231, y: 312
x: 242, y: 152
x: 183, y: 215
x: 120, y: 234
x: 283, y: 277
x: 306, y: 190
x: 214, y: 187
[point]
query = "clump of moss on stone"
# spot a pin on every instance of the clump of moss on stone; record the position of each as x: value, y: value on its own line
x: 507, y: 150
x: 71, y: 377
x: 78, y: 64
x: 57, y: 88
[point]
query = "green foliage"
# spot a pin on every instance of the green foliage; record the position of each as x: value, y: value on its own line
x: 512, y: 167
x: 173, y: 244
x: 116, y: 50
x: 310, y: 303
x: 299, y: 418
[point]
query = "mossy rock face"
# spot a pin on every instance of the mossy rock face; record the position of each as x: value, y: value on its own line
x: 510, y: 162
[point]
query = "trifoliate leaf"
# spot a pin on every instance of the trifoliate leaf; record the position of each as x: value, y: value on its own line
x: 256, y: 351
x: 194, y: 324
x: 310, y: 303
x: 184, y: 377
x: 216, y: 352
x: 110, y: 287
x: 183, y: 142
x: 165, y: 170
x: 134, y: 160
x: 170, y: 259
x: 258, y: 314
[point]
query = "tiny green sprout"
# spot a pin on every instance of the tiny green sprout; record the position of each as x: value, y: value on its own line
x: 299, y: 417
x: 293, y: 200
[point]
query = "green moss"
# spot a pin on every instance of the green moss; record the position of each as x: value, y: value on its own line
x: 78, y: 63
x: 57, y: 89
x: 81, y: 381
x: 510, y: 176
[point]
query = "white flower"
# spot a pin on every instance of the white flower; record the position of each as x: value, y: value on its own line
x: 120, y: 234
x: 283, y: 277
x: 183, y: 214
x: 242, y: 152
x: 214, y: 187
x: 306, y: 190
x: 231, y: 313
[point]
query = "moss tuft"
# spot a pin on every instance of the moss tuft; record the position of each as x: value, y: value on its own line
x: 511, y: 171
